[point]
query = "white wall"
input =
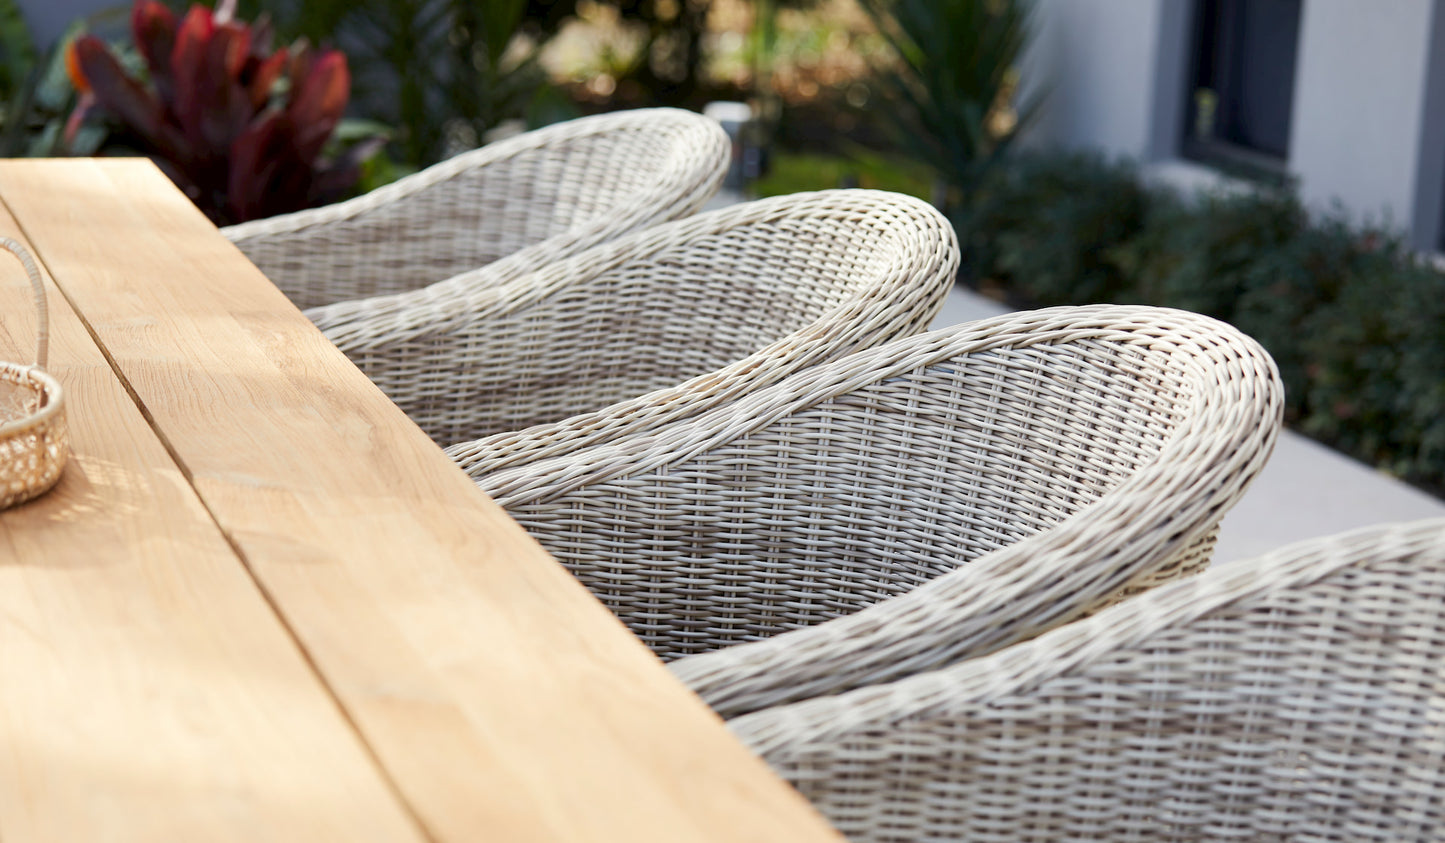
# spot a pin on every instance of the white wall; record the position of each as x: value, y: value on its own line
x: 1097, y: 59
x: 1359, y: 103
x: 1368, y: 120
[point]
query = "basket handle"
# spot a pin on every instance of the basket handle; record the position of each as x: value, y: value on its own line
x: 43, y: 334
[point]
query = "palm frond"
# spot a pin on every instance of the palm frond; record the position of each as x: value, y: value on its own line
x: 953, y: 64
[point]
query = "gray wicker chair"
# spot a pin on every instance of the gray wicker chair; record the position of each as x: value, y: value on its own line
x: 930, y: 500
x: 1299, y: 696
x: 653, y: 326
x: 511, y: 206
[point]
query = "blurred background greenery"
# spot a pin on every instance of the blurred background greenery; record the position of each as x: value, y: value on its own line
x: 928, y: 97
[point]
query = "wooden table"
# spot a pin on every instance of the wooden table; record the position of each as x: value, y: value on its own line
x: 261, y: 605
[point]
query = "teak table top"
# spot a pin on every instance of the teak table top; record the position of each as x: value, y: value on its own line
x: 262, y: 605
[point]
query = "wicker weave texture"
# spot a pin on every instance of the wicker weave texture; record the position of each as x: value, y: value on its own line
x: 654, y: 325
x: 511, y: 206
x: 929, y: 500
x: 34, y: 439
x: 1294, y: 697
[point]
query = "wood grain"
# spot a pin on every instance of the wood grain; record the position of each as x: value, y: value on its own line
x: 147, y: 690
x: 504, y: 701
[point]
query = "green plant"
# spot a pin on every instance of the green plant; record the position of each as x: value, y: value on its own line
x: 1420, y: 309
x: 443, y: 72
x: 1054, y: 227
x: 36, y: 94
x: 672, y: 57
x: 791, y: 172
x: 1293, y: 288
x: 951, y: 87
x: 238, y: 126
x: 17, y: 50
x: 1203, y: 253
x: 1376, y: 368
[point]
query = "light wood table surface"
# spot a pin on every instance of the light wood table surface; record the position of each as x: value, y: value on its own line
x: 262, y: 605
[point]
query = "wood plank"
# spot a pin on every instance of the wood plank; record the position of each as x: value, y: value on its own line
x: 147, y: 689
x: 504, y: 700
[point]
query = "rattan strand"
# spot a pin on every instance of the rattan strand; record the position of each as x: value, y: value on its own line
x: 1295, y: 697
x: 34, y: 439
x: 930, y: 500
x: 653, y: 326
x: 511, y: 206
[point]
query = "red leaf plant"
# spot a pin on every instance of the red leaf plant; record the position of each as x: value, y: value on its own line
x: 213, y: 116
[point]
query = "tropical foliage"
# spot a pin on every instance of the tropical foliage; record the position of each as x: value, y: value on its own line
x: 35, y: 91
x: 17, y: 51
x: 952, y: 83
x: 241, y: 127
x: 441, y: 72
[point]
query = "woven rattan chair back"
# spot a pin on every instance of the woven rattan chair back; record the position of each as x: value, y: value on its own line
x: 656, y: 325
x: 512, y: 205
x: 1294, y: 697
x: 933, y: 499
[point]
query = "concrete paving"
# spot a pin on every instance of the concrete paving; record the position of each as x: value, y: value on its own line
x: 1306, y: 490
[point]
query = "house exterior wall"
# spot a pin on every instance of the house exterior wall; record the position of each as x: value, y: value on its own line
x: 1368, y: 124
x: 1359, y: 104
x: 1094, y: 62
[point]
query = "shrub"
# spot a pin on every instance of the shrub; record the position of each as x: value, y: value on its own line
x: 951, y: 87
x: 1294, y: 292
x: 35, y: 91
x: 237, y: 126
x: 1051, y: 227
x: 442, y: 72
x: 1204, y: 255
x: 1376, y: 380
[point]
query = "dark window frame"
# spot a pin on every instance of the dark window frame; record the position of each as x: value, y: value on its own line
x: 1216, y: 66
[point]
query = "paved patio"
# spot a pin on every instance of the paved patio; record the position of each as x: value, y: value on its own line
x: 1307, y: 490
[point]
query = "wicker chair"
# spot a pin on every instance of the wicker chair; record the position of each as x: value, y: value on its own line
x: 1300, y: 696
x: 926, y: 501
x: 510, y: 206
x: 653, y: 326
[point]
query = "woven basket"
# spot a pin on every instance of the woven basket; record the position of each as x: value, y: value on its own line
x: 33, y: 440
